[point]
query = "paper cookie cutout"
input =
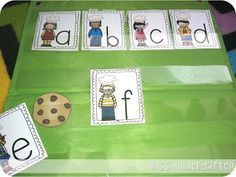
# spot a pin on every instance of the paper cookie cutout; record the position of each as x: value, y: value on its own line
x: 51, y: 109
x: 116, y: 97
x: 57, y: 30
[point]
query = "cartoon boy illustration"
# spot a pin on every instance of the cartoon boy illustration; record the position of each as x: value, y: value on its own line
x: 95, y: 33
x: 48, y: 34
x: 184, y: 30
x: 139, y: 26
x: 4, y: 156
x: 107, y: 101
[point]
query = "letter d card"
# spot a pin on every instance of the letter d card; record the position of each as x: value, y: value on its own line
x: 193, y: 29
x: 20, y: 144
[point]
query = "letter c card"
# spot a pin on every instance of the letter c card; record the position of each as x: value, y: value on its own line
x: 149, y: 30
x: 57, y: 30
x: 193, y: 29
x: 20, y: 144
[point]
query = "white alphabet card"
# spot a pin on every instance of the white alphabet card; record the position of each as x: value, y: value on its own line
x: 57, y: 30
x: 103, y: 30
x: 116, y: 97
x: 20, y: 144
x: 149, y: 30
x: 193, y: 29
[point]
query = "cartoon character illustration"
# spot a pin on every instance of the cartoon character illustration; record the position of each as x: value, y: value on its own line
x: 95, y: 33
x: 139, y: 26
x: 184, y: 30
x: 4, y: 156
x: 48, y: 34
x: 107, y: 101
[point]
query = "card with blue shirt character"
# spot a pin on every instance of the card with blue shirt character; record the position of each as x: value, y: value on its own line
x: 116, y: 97
x: 103, y: 30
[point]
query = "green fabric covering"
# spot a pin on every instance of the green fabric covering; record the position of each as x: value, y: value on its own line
x: 182, y: 121
x: 14, y: 15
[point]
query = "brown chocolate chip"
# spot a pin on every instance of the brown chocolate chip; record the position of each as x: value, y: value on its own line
x: 53, y: 110
x: 40, y: 101
x: 53, y: 98
x: 40, y: 112
x: 38, y: 3
x: 46, y: 121
x: 61, y: 118
x: 67, y: 105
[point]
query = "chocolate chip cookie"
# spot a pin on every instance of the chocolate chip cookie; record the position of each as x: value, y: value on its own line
x: 51, y: 109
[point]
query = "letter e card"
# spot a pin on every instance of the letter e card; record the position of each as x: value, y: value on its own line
x: 116, y: 97
x: 20, y: 144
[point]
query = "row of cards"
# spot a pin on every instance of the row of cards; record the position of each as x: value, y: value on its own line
x: 105, y: 30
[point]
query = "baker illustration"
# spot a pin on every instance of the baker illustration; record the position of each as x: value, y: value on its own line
x: 184, y: 29
x: 107, y: 101
x: 139, y: 25
x: 4, y: 155
x: 48, y: 34
x: 95, y: 33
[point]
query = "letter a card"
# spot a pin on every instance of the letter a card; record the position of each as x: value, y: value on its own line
x: 20, y: 144
x: 103, y: 30
x: 116, y: 97
x: 57, y: 30
x: 193, y: 29
x: 149, y: 30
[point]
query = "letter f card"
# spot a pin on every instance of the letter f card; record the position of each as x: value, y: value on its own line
x: 116, y: 97
x: 20, y: 144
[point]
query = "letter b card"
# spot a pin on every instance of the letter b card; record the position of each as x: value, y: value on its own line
x: 20, y: 144
x: 103, y: 30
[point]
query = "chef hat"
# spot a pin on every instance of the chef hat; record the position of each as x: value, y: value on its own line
x: 140, y: 18
x: 95, y: 18
x: 52, y: 19
x: 183, y: 17
x: 107, y: 80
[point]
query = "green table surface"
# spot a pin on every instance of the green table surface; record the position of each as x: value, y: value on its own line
x: 182, y: 121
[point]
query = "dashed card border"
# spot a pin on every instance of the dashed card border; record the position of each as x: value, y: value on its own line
x: 84, y: 45
x: 94, y: 121
x: 57, y: 48
x: 41, y: 150
x: 156, y: 47
x: 211, y: 26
